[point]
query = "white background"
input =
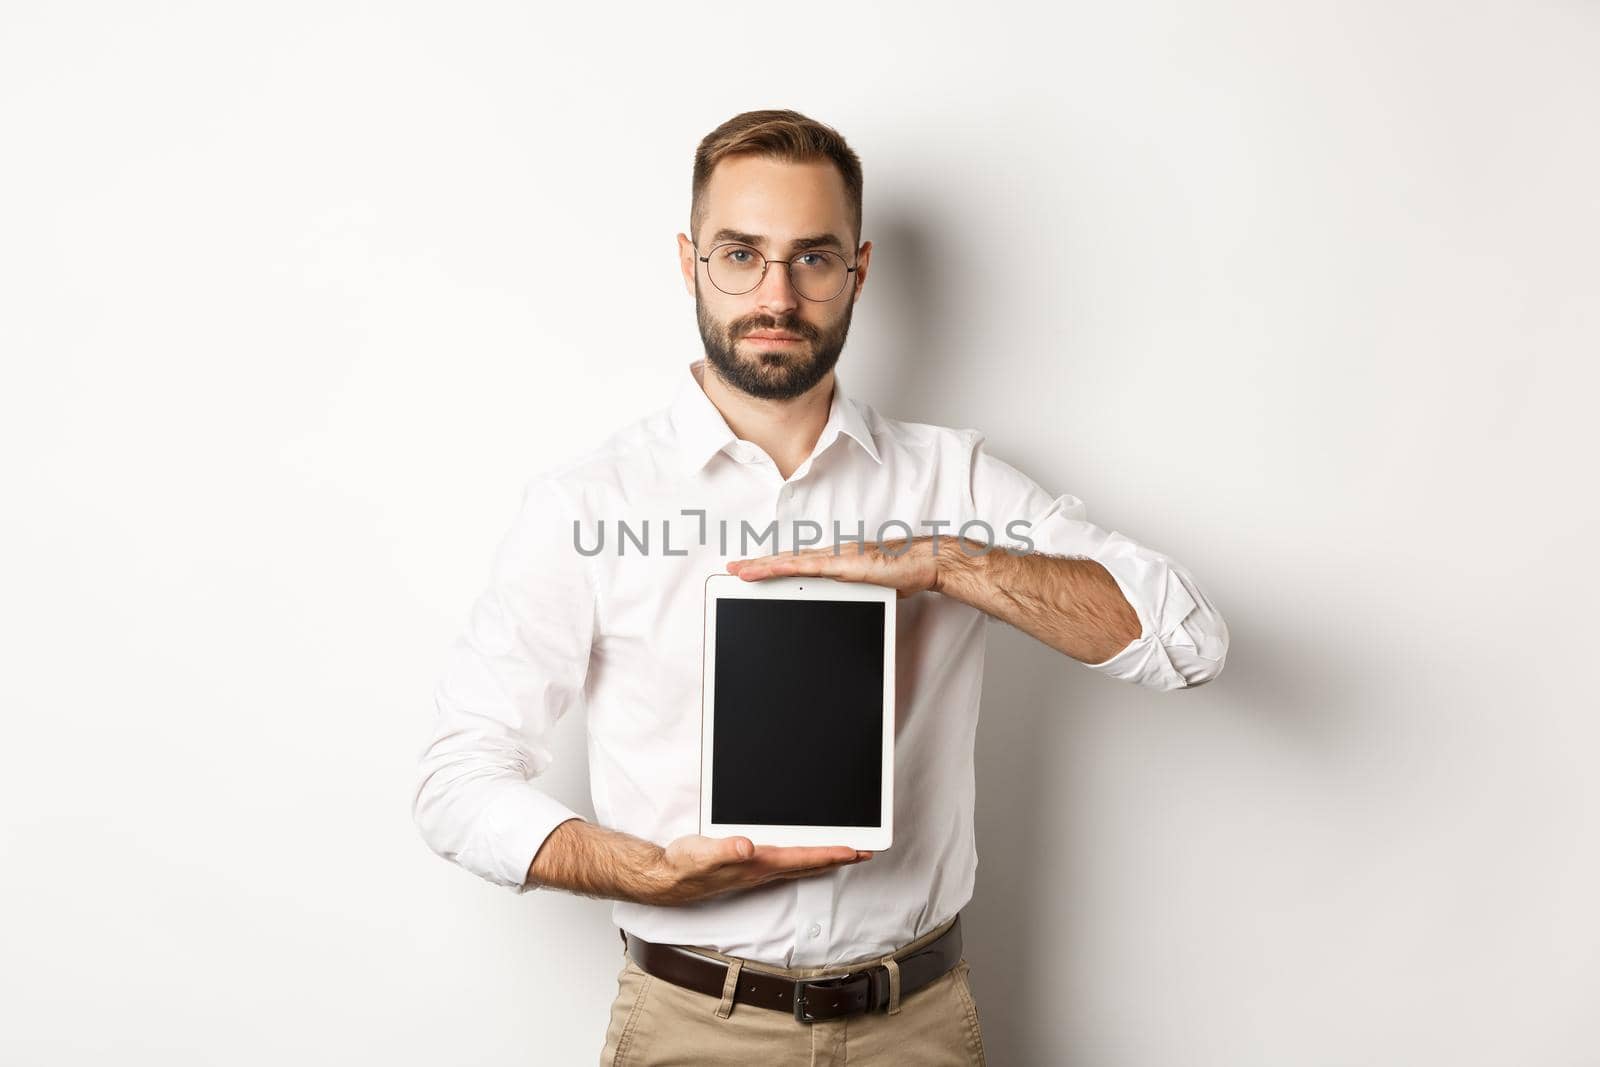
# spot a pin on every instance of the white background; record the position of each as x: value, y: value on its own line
x: 293, y: 298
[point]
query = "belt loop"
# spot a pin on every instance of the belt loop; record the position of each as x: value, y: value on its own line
x: 730, y: 985
x: 894, y: 983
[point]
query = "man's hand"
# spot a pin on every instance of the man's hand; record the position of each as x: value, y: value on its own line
x: 1071, y: 603
x: 694, y: 867
x: 594, y: 861
x: 906, y: 566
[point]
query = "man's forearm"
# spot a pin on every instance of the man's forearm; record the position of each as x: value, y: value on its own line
x: 1071, y: 604
x: 593, y: 861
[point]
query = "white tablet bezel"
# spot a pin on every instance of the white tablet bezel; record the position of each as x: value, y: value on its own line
x: 788, y: 587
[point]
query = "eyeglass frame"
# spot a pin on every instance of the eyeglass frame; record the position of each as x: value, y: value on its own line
x: 767, y: 262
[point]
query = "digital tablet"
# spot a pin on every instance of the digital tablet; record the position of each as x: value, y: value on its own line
x: 797, y: 712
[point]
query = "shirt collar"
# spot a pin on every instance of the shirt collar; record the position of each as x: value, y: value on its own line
x: 702, y: 432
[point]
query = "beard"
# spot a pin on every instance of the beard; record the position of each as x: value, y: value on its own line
x: 771, y: 373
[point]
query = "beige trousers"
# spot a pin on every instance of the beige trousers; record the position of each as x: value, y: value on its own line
x: 657, y: 1024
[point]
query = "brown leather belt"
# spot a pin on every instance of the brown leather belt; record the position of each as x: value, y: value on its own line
x: 809, y: 999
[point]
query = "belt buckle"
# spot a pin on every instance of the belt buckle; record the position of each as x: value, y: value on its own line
x: 801, y: 1011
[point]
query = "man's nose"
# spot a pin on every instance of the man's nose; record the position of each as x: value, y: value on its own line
x: 776, y: 292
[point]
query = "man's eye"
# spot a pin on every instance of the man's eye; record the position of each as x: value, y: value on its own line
x: 737, y: 252
x: 813, y: 257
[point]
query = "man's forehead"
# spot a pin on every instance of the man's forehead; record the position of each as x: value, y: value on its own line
x: 778, y: 202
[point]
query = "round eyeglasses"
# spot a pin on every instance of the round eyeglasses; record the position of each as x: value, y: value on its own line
x: 816, y: 274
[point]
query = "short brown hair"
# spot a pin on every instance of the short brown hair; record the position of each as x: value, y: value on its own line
x: 783, y: 135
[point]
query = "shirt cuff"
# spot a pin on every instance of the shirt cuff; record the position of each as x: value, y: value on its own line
x: 1162, y: 603
x: 510, y: 830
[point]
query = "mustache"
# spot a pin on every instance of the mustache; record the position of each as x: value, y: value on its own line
x: 799, y: 329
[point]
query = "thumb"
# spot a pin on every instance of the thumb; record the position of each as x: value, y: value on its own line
x: 736, y: 849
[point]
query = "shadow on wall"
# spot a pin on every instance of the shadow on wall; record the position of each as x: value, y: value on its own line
x: 1026, y: 932
x: 1022, y: 729
x: 911, y: 317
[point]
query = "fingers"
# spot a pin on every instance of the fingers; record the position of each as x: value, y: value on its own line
x: 724, y: 869
x: 709, y: 853
x: 798, y: 857
x: 720, y: 850
x: 773, y: 863
x: 766, y: 861
x: 730, y: 850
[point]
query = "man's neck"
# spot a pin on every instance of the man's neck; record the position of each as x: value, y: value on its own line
x: 786, y: 430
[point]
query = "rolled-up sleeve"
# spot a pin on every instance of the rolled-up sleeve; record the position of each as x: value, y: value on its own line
x: 516, y: 668
x: 1183, y: 640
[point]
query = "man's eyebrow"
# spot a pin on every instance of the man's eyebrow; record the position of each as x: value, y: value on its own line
x: 816, y: 240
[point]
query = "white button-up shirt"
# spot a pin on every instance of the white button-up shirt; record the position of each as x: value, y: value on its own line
x: 671, y: 499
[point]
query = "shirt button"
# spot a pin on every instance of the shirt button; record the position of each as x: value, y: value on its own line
x: 815, y: 930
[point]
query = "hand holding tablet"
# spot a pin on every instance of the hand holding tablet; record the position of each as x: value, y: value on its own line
x: 696, y: 867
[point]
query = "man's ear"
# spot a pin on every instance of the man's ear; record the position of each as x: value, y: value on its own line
x: 686, y: 262
x: 861, y: 269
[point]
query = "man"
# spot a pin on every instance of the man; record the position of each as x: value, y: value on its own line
x: 722, y: 934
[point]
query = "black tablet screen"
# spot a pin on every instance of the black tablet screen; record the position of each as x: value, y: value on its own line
x: 798, y: 713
